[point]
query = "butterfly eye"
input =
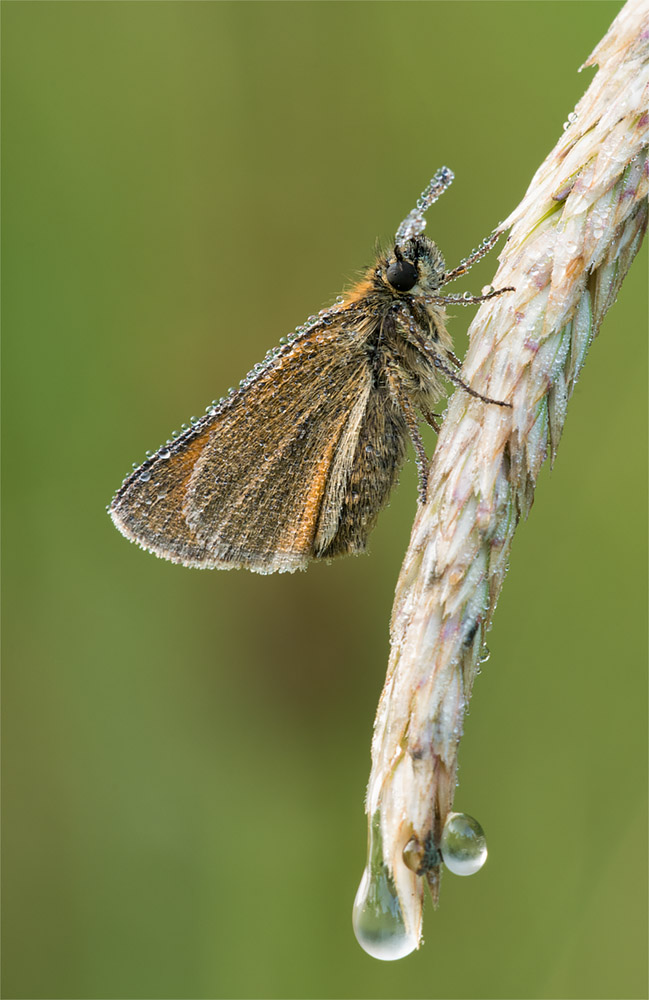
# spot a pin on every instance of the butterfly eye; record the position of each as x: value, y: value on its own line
x: 402, y: 275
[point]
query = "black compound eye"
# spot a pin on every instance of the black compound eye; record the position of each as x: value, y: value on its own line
x: 402, y: 275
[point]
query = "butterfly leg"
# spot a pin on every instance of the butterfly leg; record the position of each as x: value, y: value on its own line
x: 474, y: 256
x: 451, y: 375
x: 431, y: 418
x: 466, y: 299
x: 401, y: 398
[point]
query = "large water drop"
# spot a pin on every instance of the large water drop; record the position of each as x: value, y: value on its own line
x: 377, y: 916
x: 463, y: 844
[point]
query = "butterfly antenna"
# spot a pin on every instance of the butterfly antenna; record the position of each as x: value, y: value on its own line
x: 414, y: 223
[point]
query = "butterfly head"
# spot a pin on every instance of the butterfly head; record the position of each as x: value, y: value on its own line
x: 415, y: 267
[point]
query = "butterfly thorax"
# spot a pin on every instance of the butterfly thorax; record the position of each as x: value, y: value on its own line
x: 400, y: 327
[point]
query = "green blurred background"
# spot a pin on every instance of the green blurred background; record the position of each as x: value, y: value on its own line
x: 185, y: 753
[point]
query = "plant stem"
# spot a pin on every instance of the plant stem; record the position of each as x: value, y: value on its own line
x: 573, y: 238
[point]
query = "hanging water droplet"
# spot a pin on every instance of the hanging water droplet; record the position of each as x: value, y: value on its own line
x: 414, y: 856
x: 377, y: 916
x: 421, y: 857
x: 463, y: 844
x: 467, y: 295
x: 485, y: 653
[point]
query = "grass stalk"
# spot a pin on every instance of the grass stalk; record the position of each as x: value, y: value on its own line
x: 573, y: 238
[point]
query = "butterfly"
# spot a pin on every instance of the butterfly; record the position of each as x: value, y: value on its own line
x: 297, y: 463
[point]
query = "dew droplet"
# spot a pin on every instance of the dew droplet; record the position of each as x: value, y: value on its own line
x: 165, y: 453
x: 487, y: 290
x: 421, y: 857
x: 377, y: 916
x: 485, y: 653
x: 467, y: 295
x: 463, y: 844
x: 414, y: 856
x: 145, y: 475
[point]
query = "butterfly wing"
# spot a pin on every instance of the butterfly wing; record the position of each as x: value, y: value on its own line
x: 263, y: 480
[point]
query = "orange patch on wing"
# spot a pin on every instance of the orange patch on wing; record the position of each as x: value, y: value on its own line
x: 300, y: 538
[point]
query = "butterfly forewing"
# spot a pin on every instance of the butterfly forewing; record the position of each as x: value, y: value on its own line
x: 275, y: 475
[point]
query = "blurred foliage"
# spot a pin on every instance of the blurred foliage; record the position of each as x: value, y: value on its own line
x: 185, y: 753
